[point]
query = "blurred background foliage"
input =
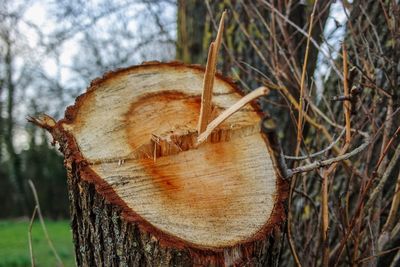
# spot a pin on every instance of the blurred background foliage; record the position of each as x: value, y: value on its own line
x: 49, y: 53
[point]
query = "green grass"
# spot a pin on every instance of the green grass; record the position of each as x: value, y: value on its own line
x: 14, y: 246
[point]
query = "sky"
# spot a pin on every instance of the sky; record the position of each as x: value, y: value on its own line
x: 60, y: 67
x: 333, y: 36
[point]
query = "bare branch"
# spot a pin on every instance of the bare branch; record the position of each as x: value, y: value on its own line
x: 316, y: 154
x: 384, y: 178
x: 323, y: 163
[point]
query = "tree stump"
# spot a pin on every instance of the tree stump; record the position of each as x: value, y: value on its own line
x: 143, y: 193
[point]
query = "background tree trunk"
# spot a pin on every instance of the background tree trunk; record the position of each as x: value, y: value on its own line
x: 14, y: 159
x: 190, y: 46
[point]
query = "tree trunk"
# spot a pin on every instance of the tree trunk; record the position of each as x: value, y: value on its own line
x: 14, y: 162
x: 143, y: 193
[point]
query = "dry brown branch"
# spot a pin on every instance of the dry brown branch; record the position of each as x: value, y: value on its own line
x: 384, y: 237
x: 302, y: 82
x: 394, y: 208
x: 299, y: 134
x: 346, y: 104
x: 325, y: 209
x: 289, y: 219
x: 378, y: 255
x: 387, y: 148
x: 30, y: 236
x: 332, y: 168
x: 300, y: 30
x: 384, y: 178
x: 386, y: 132
x: 319, y: 153
x: 46, y: 234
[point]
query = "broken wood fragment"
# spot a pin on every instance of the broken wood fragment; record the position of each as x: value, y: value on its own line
x: 208, y: 83
x: 230, y: 111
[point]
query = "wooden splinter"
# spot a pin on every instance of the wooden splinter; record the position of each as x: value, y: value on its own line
x: 208, y: 82
x: 230, y: 111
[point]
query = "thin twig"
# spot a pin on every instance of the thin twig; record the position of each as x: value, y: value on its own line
x: 346, y: 104
x: 396, y: 260
x: 316, y: 154
x: 299, y: 135
x: 325, y: 216
x: 230, y: 111
x: 39, y: 212
x: 302, y: 82
x: 325, y: 208
x: 329, y: 121
x: 384, y: 178
x: 378, y: 254
x: 313, y: 122
x: 394, y: 208
x: 332, y: 168
x: 387, y: 148
x: 30, y: 236
x: 313, y: 41
x: 384, y: 236
x: 289, y: 219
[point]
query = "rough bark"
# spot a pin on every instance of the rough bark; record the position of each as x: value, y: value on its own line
x: 103, y: 238
x: 112, y: 227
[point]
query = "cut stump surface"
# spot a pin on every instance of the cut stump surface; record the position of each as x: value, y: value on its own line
x: 135, y: 131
